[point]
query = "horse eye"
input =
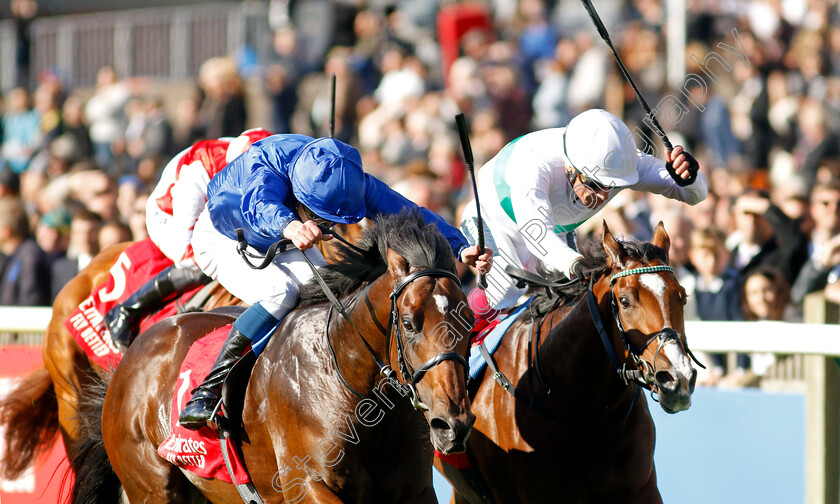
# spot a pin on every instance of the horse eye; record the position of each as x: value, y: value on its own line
x: 625, y: 301
x: 407, y: 325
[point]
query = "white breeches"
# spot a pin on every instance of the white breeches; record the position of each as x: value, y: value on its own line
x: 275, y: 287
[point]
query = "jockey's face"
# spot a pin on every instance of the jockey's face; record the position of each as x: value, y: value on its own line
x: 590, y: 193
x: 308, y: 215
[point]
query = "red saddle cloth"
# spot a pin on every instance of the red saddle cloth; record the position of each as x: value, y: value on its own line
x: 200, y: 452
x: 134, y: 267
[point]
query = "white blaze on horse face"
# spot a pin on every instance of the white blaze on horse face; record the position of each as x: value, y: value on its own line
x: 442, y: 302
x: 656, y: 285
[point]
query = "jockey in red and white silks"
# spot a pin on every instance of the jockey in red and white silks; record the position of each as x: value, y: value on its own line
x: 179, y: 198
x: 171, y: 213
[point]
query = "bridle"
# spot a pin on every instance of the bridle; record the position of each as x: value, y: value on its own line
x: 644, y: 371
x: 411, y: 375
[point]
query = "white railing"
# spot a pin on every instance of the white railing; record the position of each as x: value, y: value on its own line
x: 164, y: 43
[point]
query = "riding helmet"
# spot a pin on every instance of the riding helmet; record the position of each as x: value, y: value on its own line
x: 327, y: 177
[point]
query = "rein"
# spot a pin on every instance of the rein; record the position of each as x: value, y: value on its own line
x: 409, y: 373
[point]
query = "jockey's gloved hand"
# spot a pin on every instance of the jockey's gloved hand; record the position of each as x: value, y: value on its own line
x: 577, y: 270
x: 681, y: 166
x: 305, y: 235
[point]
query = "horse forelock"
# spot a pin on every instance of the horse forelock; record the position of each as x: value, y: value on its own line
x: 594, y: 264
x: 406, y: 233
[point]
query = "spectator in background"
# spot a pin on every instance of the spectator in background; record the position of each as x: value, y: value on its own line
x: 816, y: 141
x: 9, y: 182
x: 45, y: 101
x: 222, y: 112
x: 824, y: 246
x: 84, y: 239
x: 766, y: 296
x: 148, y: 133
x: 137, y: 219
x: 53, y: 236
x: 112, y: 233
x: 24, y: 267
x: 765, y: 236
x: 74, y: 129
x: 714, y: 291
x: 105, y: 115
x: 21, y: 131
x: 23, y: 12
x: 281, y: 79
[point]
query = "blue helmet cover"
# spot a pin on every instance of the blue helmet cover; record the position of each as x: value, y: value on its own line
x: 327, y: 177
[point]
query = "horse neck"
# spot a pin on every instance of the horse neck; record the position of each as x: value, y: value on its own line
x: 574, y: 361
x: 354, y: 359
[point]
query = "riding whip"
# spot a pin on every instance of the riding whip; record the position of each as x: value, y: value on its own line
x: 693, y: 165
x: 332, y: 106
x: 461, y: 122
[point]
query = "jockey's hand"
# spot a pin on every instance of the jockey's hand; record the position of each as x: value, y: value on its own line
x: 305, y: 235
x: 481, y: 262
x: 681, y: 165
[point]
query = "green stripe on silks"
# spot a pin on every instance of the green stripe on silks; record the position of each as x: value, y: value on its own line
x: 503, y: 189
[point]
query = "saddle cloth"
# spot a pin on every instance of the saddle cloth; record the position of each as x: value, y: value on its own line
x: 493, y: 339
x: 200, y: 451
x: 137, y: 264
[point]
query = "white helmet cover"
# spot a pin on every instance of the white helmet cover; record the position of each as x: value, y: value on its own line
x: 599, y: 145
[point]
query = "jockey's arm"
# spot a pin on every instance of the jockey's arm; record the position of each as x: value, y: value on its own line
x: 189, y: 195
x: 266, y: 202
x: 379, y: 198
x: 654, y: 178
x: 535, y: 220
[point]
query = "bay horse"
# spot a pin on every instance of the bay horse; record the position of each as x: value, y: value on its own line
x: 47, y: 401
x: 579, y: 432
x: 322, y: 381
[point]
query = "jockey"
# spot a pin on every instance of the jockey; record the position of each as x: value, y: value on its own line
x: 284, y: 187
x: 171, y: 213
x: 543, y: 185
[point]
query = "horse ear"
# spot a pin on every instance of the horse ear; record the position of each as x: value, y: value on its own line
x: 661, y: 238
x: 397, y: 264
x: 615, y: 255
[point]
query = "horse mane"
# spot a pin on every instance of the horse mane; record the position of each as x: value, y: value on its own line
x: 406, y: 233
x: 595, y: 265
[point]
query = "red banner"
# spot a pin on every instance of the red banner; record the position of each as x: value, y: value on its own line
x: 41, y: 484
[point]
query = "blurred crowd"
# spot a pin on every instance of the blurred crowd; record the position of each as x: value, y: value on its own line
x: 759, y: 108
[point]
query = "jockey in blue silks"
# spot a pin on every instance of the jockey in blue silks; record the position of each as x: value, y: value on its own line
x: 284, y: 186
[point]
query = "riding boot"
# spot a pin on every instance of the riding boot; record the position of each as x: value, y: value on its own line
x: 123, y: 320
x: 206, y: 396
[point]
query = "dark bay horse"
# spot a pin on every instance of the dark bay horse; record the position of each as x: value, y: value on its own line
x: 47, y: 401
x: 587, y: 440
x: 323, y: 424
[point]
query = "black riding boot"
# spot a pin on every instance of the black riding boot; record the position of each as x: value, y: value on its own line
x: 124, y: 319
x: 206, y: 396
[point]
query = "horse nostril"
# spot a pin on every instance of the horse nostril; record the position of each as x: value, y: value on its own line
x: 692, y: 381
x: 442, y: 427
x: 665, y: 380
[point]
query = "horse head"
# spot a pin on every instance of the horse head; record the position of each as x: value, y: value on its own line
x: 647, y: 305
x: 431, y: 322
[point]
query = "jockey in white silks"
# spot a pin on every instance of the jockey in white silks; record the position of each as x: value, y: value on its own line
x: 541, y: 186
